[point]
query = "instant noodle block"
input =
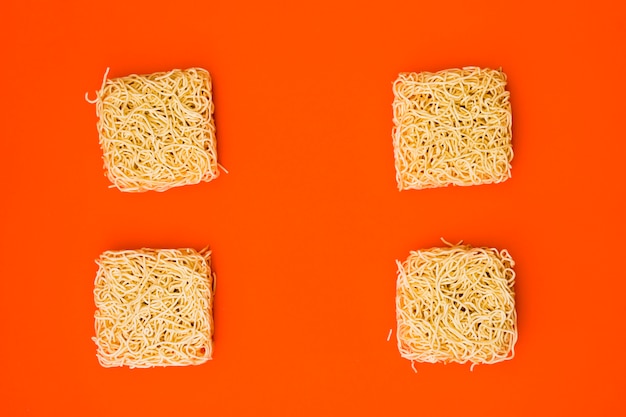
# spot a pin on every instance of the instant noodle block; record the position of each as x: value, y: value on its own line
x: 456, y: 304
x: 154, y: 308
x: 451, y: 127
x: 157, y: 131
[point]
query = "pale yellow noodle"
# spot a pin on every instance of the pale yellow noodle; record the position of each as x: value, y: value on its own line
x: 452, y: 127
x: 157, y: 130
x: 456, y: 304
x: 154, y: 308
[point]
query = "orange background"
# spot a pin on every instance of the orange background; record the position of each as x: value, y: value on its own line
x: 307, y: 225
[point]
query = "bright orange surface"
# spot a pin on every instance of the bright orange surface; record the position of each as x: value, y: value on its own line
x: 307, y: 225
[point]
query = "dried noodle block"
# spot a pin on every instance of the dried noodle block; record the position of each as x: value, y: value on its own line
x: 452, y: 127
x: 154, y: 308
x: 157, y: 130
x: 456, y: 304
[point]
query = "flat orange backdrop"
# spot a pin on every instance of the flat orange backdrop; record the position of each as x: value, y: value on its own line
x: 306, y: 227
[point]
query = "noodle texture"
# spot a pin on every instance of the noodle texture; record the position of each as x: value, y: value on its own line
x: 154, y: 308
x: 452, y: 127
x: 157, y: 131
x: 456, y: 304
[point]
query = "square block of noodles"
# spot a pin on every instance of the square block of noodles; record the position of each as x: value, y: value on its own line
x: 157, y: 131
x: 452, y: 127
x: 456, y: 304
x: 153, y: 308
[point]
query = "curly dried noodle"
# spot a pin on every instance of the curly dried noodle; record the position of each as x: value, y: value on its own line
x: 456, y: 304
x: 154, y: 308
x: 452, y: 127
x: 157, y: 130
